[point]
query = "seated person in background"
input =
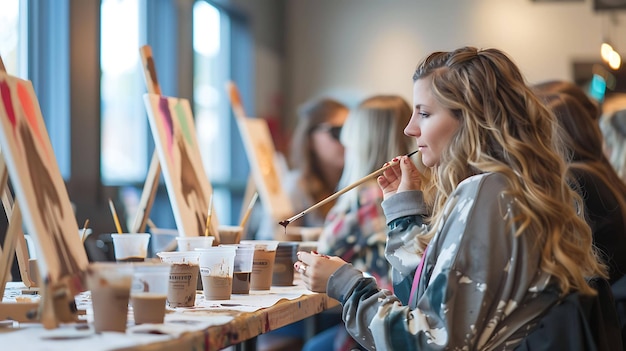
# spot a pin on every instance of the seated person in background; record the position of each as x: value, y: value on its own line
x: 602, y: 191
x: 573, y: 90
x: 355, y: 228
x: 316, y: 157
x: 613, y: 128
x: 505, y: 237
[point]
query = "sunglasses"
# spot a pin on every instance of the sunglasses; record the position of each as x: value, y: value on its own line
x: 334, y: 131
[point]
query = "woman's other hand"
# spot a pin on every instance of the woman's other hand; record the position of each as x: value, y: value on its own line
x: 315, y: 269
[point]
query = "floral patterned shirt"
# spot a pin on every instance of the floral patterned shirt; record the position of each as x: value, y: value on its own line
x: 359, y: 235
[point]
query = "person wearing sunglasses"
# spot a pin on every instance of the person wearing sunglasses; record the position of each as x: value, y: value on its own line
x: 355, y: 228
x: 316, y: 158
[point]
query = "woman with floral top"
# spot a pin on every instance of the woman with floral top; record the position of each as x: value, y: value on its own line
x: 507, y: 234
x: 355, y: 227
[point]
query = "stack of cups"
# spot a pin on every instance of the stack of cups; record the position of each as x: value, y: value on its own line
x: 283, y: 263
x: 262, y: 263
x: 149, y: 291
x: 216, y: 271
x: 184, y: 275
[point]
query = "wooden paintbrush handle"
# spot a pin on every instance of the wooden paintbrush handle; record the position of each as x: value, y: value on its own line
x: 332, y: 197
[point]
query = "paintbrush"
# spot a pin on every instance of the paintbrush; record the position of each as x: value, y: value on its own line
x: 83, y: 236
x: 115, y: 218
x: 246, y: 215
x: 208, y: 216
x: 341, y: 192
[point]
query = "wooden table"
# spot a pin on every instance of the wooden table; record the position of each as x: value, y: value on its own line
x: 212, y: 328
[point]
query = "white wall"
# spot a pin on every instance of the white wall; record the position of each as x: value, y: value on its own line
x: 354, y: 48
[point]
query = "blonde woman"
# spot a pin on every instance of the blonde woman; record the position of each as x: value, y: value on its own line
x: 506, y: 237
x: 355, y: 228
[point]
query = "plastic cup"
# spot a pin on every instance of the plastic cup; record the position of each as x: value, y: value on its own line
x: 149, y: 291
x: 242, y: 269
x: 282, y: 275
x: 110, y: 293
x: 130, y: 247
x: 181, y: 290
x: 190, y: 243
x: 216, y: 271
x: 262, y: 263
x: 230, y: 234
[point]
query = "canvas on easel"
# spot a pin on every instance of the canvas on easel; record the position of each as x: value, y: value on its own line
x: 261, y: 153
x: 41, y: 197
x: 189, y: 189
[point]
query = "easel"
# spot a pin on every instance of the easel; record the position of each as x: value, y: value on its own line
x: 151, y: 185
x: 14, y: 244
x: 57, y: 303
x: 277, y: 202
x: 154, y: 171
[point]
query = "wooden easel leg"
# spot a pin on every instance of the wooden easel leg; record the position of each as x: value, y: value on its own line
x: 148, y: 195
x: 247, y: 195
x: 21, y: 247
x: 21, y: 312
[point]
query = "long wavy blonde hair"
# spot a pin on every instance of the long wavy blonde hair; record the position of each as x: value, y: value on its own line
x: 505, y: 128
x: 372, y: 135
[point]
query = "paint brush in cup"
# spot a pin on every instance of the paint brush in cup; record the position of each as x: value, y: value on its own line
x: 246, y: 215
x: 115, y: 218
x: 83, y: 236
x: 343, y: 191
x: 208, y: 216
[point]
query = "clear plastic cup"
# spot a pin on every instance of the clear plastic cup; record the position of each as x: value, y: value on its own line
x: 242, y: 268
x: 262, y: 263
x: 149, y: 291
x: 230, y: 234
x: 130, y: 247
x: 216, y: 271
x: 184, y: 274
x: 190, y: 243
x: 110, y: 285
x: 282, y: 275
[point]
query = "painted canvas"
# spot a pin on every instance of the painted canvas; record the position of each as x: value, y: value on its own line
x: 39, y: 188
x: 261, y: 154
x: 188, y: 186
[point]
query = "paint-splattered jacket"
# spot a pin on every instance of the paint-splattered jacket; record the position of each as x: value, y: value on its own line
x: 481, y: 286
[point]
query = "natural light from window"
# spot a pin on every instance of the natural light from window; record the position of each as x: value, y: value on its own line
x: 124, y: 124
x: 12, y: 36
x: 211, y: 109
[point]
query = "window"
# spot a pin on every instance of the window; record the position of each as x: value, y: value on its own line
x: 124, y: 126
x: 13, y: 34
x: 211, y: 108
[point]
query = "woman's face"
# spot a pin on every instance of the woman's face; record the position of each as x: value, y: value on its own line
x: 431, y: 124
x: 325, y: 141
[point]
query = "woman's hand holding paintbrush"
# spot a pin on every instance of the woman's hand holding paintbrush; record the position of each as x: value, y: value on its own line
x: 341, y: 192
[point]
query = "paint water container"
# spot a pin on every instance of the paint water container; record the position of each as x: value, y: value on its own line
x: 283, y: 263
